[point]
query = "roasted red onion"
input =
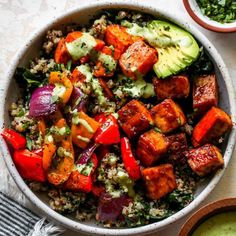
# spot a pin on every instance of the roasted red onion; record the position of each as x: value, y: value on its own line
x: 87, y: 153
x: 41, y: 102
x: 78, y: 100
x: 109, y: 209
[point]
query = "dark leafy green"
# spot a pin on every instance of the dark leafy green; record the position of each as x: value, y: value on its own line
x: 223, y: 11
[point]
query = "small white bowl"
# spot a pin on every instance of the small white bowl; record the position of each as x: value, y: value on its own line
x: 83, y: 15
x: 195, y: 12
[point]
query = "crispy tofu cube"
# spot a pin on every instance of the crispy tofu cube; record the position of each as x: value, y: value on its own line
x: 178, y: 145
x: 152, y: 145
x: 168, y: 116
x: 173, y: 87
x: 213, y: 124
x: 117, y: 36
x: 134, y: 118
x: 138, y: 59
x: 205, y: 159
x: 159, y: 181
x: 205, y: 93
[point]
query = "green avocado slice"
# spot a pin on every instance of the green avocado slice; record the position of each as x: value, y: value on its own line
x: 177, y: 49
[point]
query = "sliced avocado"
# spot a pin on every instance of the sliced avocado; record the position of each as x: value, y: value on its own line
x: 182, y: 52
x: 176, y: 48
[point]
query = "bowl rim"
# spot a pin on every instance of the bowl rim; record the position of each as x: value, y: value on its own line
x: 206, y: 212
x: 204, y: 23
x: 153, y: 227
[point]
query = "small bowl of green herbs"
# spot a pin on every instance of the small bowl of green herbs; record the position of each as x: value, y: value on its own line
x: 215, y: 15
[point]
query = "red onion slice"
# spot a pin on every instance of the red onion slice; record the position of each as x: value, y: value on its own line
x: 41, y: 102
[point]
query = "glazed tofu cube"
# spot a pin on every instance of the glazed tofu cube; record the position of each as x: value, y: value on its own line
x: 138, y: 59
x: 117, y: 36
x: 178, y: 145
x: 168, y: 116
x: 173, y: 87
x: 205, y: 159
x: 152, y: 145
x: 159, y: 181
x: 134, y: 118
x: 213, y: 124
x: 205, y: 93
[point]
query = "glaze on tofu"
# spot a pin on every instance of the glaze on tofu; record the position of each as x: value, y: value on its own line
x: 213, y: 124
x: 152, y: 145
x: 168, y: 116
x: 205, y: 93
x: 205, y: 159
x: 134, y: 118
x: 178, y: 145
x: 159, y: 180
x: 177, y: 86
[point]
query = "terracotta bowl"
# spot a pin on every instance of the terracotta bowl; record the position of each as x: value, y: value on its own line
x: 206, y: 212
x: 195, y: 12
x: 82, y: 14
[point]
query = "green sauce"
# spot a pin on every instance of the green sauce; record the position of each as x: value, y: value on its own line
x: 223, y: 224
x: 81, y: 46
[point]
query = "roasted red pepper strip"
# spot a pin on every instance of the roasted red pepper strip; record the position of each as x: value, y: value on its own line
x: 80, y: 182
x: 108, y: 132
x: 16, y: 140
x: 130, y: 163
x: 29, y: 165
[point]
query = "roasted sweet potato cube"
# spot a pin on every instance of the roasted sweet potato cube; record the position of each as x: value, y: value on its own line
x: 134, y: 118
x: 178, y: 145
x: 205, y: 93
x: 138, y: 59
x: 159, y: 180
x: 118, y: 36
x: 205, y: 159
x: 213, y: 124
x: 173, y: 87
x: 168, y: 116
x: 152, y: 145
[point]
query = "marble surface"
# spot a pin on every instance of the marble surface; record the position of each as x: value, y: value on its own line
x: 18, y: 18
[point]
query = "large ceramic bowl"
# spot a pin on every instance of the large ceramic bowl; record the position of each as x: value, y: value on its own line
x: 82, y: 15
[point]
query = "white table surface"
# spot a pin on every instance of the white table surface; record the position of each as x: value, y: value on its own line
x: 18, y: 18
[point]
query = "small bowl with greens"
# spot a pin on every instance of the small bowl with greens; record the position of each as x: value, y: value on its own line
x: 215, y: 15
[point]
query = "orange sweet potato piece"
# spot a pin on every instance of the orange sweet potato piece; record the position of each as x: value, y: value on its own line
x: 205, y: 159
x: 134, y: 118
x: 205, y: 93
x: 138, y: 59
x: 42, y: 127
x: 83, y: 131
x: 152, y: 145
x: 159, y: 180
x: 61, y: 79
x: 168, y: 116
x: 213, y: 124
x: 107, y: 91
x: 173, y: 87
x: 77, y: 76
x: 101, y: 70
x: 73, y: 36
x: 117, y: 36
x: 61, y: 54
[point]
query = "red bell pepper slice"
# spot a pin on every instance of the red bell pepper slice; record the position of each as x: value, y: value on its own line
x: 108, y: 93
x: 108, y: 132
x: 29, y: 165
x: 130, y: 163
x: 16, y: 140
x: 38, y: 151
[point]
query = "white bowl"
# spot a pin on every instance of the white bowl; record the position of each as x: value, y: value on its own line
x: 195, y: 12
x: 82, y: 15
